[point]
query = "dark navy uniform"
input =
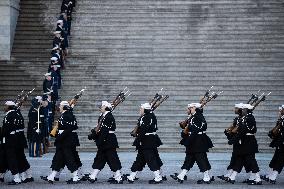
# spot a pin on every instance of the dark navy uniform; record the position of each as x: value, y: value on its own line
x: 107, y: 144
x: 22, y: 143
x: 147, y: 143
x: 245, y: 145
x: 277, y: 162
x: 197, y: 143
x: 35, y: 133
x: 10, y: 140
x: 66, y: 142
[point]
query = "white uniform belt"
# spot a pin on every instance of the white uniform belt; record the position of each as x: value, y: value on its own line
x: 19, y: 130
x: 13, y: 132
x: 249, y: 134
x: 61, y: 131
x: 199, y: 133
x: 154, y: 133
x: 111, y: 132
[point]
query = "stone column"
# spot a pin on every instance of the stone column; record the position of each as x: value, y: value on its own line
x: 9, y: 11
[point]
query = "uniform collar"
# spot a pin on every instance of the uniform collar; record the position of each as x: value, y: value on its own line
x: 104, y: 114
x: 9, y: 111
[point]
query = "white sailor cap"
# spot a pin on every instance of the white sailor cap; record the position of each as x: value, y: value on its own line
x: 239, y: 105
x: 39, y: 98
x: 281, y: 107
x: 64, y: 103
x: 197, y: 105
x: 106, y: 104
x: 47, y: 74
x: 247, y: 106
x: 10, y: 103
x: 53, y: 58
x: 59, y: 21
x: 146, y: 106
x: 57, y: 32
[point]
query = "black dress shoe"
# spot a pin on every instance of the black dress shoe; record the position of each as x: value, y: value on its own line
x: 116, y: 182
x: 124, y: 177
x: 46, y: 179
x: 230, y: 181
x: 203, y: 182
x: 247, y: 181
x: 263, y: 177
x: 272, y: 181
x: 28, y: 180
x: 222, y: 177
x: 13, y: 183
x: 56, y: 179
x: 174, y: 176
x: 255, y: 183
x: 72, y: 182
x: 164, y: 178
x: 92, y: 180
x: 130, y: 181
x: 154, y: 182
x: 1, y: 179
x: 85, y: 177
x: 111, y: 179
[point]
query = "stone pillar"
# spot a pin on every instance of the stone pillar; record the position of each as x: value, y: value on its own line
x: 9, y: 11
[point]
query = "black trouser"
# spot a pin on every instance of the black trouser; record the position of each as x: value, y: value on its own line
x: 277, y: 161
x: 149, y: 157
x: 108, y: 156
x: 200, y: 158
x: 233, y: 161
x: 22, y: 160
x: 77, y: 158
x: 246, y: 160
x: 69, y: 27
x: 3, y: 161
x: 64, y: 156
x: 12, y: 160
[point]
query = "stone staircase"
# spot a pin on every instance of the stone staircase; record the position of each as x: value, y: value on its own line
x: 183, y: 46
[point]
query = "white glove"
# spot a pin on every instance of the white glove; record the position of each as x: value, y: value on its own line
x: 37, y: 130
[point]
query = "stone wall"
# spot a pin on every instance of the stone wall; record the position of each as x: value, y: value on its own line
x: 9, y: 11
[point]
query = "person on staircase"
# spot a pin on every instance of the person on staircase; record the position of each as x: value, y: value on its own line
x: 106, y: 141
x: 197, y: 145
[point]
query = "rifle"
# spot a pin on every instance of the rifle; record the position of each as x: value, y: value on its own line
x: 122, y: 95
x: 256, y: 100
x: 23, y: 98
x: 72, y: 103
x: 207, y: 97
x: 157, y: 100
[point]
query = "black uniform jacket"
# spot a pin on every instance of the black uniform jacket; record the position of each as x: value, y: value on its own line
x: 9, y: 127
x: 67, y: 124
x: 196, y: 140
x: 278, y: 140
x: 147, y: 126
x: 244, y: 142
x: 105, y: 138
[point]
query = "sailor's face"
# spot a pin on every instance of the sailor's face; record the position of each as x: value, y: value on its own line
x: 6, y: 108
x: 188, y: 111
x: 103, y: 109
